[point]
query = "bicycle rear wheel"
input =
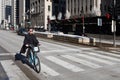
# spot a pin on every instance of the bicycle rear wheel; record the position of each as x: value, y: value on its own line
x: 37, y: 64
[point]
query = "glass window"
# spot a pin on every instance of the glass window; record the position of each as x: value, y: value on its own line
x: 49, y: 8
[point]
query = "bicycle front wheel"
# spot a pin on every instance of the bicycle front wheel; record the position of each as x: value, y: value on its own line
x: 30, y: 57
x: 37, y: 64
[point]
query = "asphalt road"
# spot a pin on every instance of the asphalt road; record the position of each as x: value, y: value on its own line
x: 60, y: 61
x: 2, y: 50
x: 3, y: 75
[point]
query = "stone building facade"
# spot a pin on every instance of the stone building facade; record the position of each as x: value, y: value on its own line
x: 89, y: 8
x: 41, y: 12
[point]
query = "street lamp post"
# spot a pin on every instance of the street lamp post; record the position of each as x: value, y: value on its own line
x: 114, y: 23
x: 83, y: 22
x: 49, y: 27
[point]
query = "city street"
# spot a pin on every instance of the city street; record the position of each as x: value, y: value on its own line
x: 59, y: 61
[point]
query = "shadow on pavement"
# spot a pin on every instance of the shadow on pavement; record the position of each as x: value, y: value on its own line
x: 23, y: 59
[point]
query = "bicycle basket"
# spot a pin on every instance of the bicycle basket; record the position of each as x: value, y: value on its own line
x: 36, y: 49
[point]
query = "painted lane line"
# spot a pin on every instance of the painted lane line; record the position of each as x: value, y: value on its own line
x: 64, y: 64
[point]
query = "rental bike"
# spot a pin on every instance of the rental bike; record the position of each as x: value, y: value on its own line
x: 33, y: 59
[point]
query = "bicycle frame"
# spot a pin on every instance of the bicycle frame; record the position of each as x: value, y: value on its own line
x: 33, y: 59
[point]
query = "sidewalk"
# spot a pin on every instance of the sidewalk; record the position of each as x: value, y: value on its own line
x: 106, y: 42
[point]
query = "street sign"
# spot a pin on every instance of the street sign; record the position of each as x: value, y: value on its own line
x: 99, y: 22
x: 113, y: 27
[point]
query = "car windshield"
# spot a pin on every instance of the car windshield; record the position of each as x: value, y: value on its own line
x: 23, y: 29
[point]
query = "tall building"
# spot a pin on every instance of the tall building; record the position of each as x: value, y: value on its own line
x: 24, y: 7
x: 22, y: 12
x: 5, y: 14
x: 17, y: 12
x: 8, y: 10
x: 13, y: 13
x: 41, y: 13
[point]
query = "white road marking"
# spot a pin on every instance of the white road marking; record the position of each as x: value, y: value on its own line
x: 96, y: 59
x: 63, y: 50
x: 4, y: 54
x: 103, y: 56
x: 48, y: 71
x: 111, y: 54
x: 118, y: 52
x: 13, y: 71
x: 7, y: 54
x: 64, y: 64
x: 54, y: 45
x: 84, y: 62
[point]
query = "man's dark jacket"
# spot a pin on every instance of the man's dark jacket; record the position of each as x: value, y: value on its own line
x: 31, y: 39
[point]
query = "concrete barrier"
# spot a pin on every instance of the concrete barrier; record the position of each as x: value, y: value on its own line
x: 67, y: 38
x: 44, y: 34
x: 74, y: 39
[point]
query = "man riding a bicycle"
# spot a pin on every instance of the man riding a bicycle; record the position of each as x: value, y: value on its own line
x: 30, y: 39
x: 31, y: 44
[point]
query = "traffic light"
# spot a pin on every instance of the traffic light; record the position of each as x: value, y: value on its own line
x: 110, y: 10
x: 108, y: 16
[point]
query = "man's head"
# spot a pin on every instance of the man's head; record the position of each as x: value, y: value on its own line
x: 30, y: 31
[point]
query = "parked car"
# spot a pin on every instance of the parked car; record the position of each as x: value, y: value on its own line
x: 22, y: 31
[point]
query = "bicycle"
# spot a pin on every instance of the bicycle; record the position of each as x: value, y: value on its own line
x: 33, y: 58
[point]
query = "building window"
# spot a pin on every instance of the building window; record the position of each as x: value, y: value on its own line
x: 75, y: 10
x: 86, y: 8
x: 39, y: 1
x: 49, y: 8
x: 90, y: 7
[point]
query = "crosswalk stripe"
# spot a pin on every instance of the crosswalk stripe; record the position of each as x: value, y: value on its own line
x: 95, y: 59
x: 48, y: 71
x: 64, y: 50
x: 84, y: 62
x: 111, y: 54
x: 64, y: 64
x: 13, y: 71
x: 4, y: 54
x: 7, y: 54
x: 116, y: 52
x: 103, y: 56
